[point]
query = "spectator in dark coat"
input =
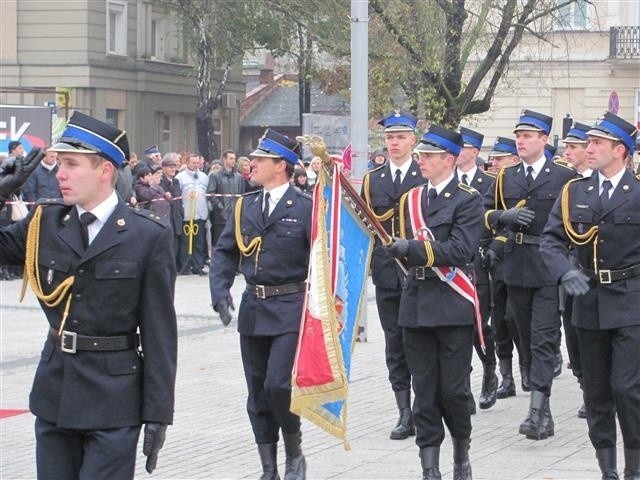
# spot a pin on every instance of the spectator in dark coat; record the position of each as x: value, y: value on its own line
x: 150, y: 194
x: 172, y: 193
x: 42, y: 182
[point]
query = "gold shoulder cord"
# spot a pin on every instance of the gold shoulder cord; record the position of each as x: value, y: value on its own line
x: 367, y: 196
x: 499, y: 197
x: 590, y: 235
x: 254, y: 245
x: 402, y: 220
x: 32, y: 274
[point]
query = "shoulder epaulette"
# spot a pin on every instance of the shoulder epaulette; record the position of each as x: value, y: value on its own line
x: 304, y: 194
x: 563, y: 163
x: 377, y: 168
x: 490, y: 174
x: 50, y: 201
x: 468, y: 189
x: 511, y: 166
x: 253, y: 192
x: 150, y: 215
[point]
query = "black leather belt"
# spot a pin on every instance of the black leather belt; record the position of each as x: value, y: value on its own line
x: 422, y: 273
x: 264, y: 291
x: 519, y: 238
x: 606, y: 277
x: 70, y: 342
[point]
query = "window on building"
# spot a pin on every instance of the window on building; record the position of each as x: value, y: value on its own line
x: 165, y: 126
x: 166, y: 43
x: 573, y: 16
x: 112, y: 117
x: 117, y: 27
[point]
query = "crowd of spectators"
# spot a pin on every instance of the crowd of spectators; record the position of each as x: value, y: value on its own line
x: 194, y: 197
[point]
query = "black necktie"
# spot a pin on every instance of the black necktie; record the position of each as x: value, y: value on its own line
x: 86, y: 219
x: 529, y: 175
x: 397, y: 181
x: 465, y: 179
x: 431, y: 194
x: 265, y: 207
x: 604, y: 196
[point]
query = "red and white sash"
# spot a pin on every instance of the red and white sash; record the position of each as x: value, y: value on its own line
x: 453, y: 276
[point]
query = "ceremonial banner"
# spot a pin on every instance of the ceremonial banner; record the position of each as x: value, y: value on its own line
x: 340, y: 252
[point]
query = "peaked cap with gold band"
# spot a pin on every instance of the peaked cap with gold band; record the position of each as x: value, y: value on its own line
x: 85, y: 134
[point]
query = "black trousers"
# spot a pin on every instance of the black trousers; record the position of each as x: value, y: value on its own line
x: 388, y: 302
x: 85, y: 454
x: 505, y: 331
x: 488, y: 359
x: 216, y: 231
x: 267, y: 363
x: 537, y: 319
x: 571, y: 338
x: 439, y: 359
x: 611, y: 366
x: 195, y: 262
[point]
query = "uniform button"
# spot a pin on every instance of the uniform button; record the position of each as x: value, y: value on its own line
x: 78, y: 296
x: 52, y: 262
x: 134, y: 367
x: 601, y: 261
x: 601, y: 241
x: 601, y: 222
x: 116, y: 271
x: 259, y: 269
x: 81, y: 272
x: 529, y: 197
x: 74, y: 322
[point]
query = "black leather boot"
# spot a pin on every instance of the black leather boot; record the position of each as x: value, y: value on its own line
x: 295, y: 465
x: 548, y: 427
x: 430, y: 461
x: 269, y: 460
x: 533, y: 425
x: 461, y: 463
x: 525, y: 377
x: 631, y: 464
x: 405, y: 426
x: 508, y: 387
x: 607, y: 463
x: 489, y: 387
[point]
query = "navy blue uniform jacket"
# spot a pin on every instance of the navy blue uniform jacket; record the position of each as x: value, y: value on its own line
x: 124, y: 281
x: 605, y: 306
x: 283, y: 258
x: 455, y: 220
x: 523, y: 266
x: 381, y: 196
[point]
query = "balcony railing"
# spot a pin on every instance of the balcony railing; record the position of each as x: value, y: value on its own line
x: 624, y: 42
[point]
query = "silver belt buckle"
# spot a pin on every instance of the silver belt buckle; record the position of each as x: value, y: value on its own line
x: 420, y: 273
x: 68, y: 338
x: 519, y: 239
x: 604, y: 276
x: 260, y: 292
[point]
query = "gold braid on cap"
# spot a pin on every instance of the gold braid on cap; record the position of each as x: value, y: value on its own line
x: 32, y: 273
x: 590, y: 235
x: 254, y: 245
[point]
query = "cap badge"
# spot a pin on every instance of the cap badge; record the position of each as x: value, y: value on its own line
x: 120, y: 222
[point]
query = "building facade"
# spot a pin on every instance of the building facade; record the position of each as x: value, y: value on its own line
x: 123, y: 61
x: 588, y: 63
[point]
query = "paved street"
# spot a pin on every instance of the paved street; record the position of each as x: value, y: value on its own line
x: 211, y: 437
